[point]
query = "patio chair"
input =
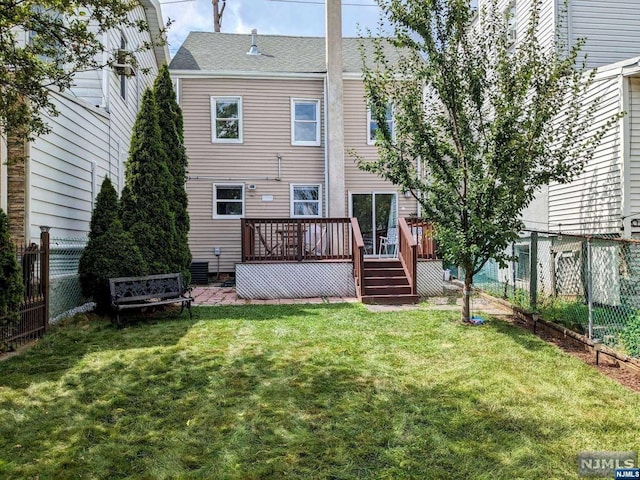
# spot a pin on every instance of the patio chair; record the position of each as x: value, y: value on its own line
x: 390, y: 242
x: 269, y: 248
x: 416, y: 232
x: 315, y: 240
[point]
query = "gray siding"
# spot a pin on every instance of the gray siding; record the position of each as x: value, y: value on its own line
x: 610, y: 28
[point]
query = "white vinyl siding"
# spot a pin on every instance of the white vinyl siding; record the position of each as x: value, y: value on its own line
x: 634, y: 153
x: 591, y: 203
x: 305, y: 122
x: 228, y: 200
x: 306, y: 200
x: 226, y: 119
x: 61, y: 163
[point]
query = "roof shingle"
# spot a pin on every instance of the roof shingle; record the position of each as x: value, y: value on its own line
x: 216, y: 52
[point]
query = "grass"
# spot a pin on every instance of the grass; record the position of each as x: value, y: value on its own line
x: 304, y: 391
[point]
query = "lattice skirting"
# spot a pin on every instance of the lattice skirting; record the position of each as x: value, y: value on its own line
x: 294, y: 280
x: 430, y: 278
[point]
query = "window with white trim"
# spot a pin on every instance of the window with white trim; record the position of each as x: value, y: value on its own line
x: 510, y: 18
x: 306, y: 200
x: 305, y: 122
x: 228, y: 200
x: 226, y: 119
x: 372, y: 125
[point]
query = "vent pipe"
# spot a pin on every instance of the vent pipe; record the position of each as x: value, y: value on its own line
x: 254, y: 47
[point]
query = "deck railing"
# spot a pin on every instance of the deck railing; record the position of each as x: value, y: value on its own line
x: 422, y: 232
x: 295, y: 239
x: 408, y: 253
x: 357, y: 247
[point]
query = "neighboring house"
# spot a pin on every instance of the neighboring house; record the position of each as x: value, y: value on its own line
x: 605, y: 198
x: 256, y: 136
x: 54, y: 180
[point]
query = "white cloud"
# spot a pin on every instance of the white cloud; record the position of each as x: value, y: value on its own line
x: 268, y: 17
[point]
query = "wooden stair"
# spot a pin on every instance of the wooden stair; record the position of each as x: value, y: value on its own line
x: 385, y: 283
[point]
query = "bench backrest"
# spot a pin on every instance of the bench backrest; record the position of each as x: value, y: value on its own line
x: 144, y: 288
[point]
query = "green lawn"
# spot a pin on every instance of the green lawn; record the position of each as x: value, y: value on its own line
x: 304, y: 391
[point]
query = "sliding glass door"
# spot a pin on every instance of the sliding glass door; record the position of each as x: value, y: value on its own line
x: 376, y: 213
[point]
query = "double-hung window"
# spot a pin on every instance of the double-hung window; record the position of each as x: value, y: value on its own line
x: 511, y: 20
x: 372, y: 124
x: 228, y: 200
x: 305, y: 122
x: 226, y: 119
x: 306, y: 201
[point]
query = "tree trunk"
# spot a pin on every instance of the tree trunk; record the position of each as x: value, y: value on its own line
x: 466, y: 295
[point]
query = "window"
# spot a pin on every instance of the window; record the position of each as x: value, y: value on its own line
x: 523, y: 265
x: 123, y: 78
x: 228, y: 201
x: 306, y: 201
x: 305, y: 123
x: 372, y: 125
x: 226, y: 119
x: 510, y: 18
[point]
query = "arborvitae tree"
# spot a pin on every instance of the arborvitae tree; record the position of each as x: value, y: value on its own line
x: 172, y: 138
x: 11, y: 287
x: 115, y: 255
x: 110, y: 255
x: 105, y: 210
x: 145, y: 203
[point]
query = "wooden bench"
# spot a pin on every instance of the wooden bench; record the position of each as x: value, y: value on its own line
x: 139, y: 292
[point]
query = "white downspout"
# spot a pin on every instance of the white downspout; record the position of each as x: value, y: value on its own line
x: 327, y: 192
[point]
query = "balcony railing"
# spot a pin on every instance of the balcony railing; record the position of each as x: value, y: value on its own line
x: 422, y: 232
x: 296, y: 240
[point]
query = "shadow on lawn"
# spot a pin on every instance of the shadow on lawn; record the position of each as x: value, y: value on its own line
x: 523, y: 337
x: 257, y: 413
x: 69, y: 342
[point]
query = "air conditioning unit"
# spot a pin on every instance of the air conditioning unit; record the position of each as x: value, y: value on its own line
x: 122, y: 67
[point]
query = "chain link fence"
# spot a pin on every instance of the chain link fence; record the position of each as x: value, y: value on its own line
x: 589, y: 284
x: 65, y: 293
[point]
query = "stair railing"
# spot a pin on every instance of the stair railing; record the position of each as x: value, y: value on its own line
x: 357, y: 249
x: 408, y: 253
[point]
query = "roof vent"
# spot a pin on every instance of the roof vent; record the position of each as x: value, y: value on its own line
x: 254, y: 47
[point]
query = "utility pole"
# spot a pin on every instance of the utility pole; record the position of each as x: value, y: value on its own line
x: 217, y: 14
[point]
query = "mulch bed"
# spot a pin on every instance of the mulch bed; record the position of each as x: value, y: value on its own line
x: 606, y: 365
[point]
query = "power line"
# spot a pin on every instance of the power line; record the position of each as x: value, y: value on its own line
x: 314, y: 2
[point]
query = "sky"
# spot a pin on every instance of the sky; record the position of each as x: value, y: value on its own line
x: 274, y: 17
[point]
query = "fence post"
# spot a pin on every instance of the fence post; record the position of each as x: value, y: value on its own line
x: 44, y: 274
x: 513, y: 267
x: 589, y: 289
x: 533, y: 271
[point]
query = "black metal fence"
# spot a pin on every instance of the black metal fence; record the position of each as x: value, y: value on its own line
x: 34, y: 310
